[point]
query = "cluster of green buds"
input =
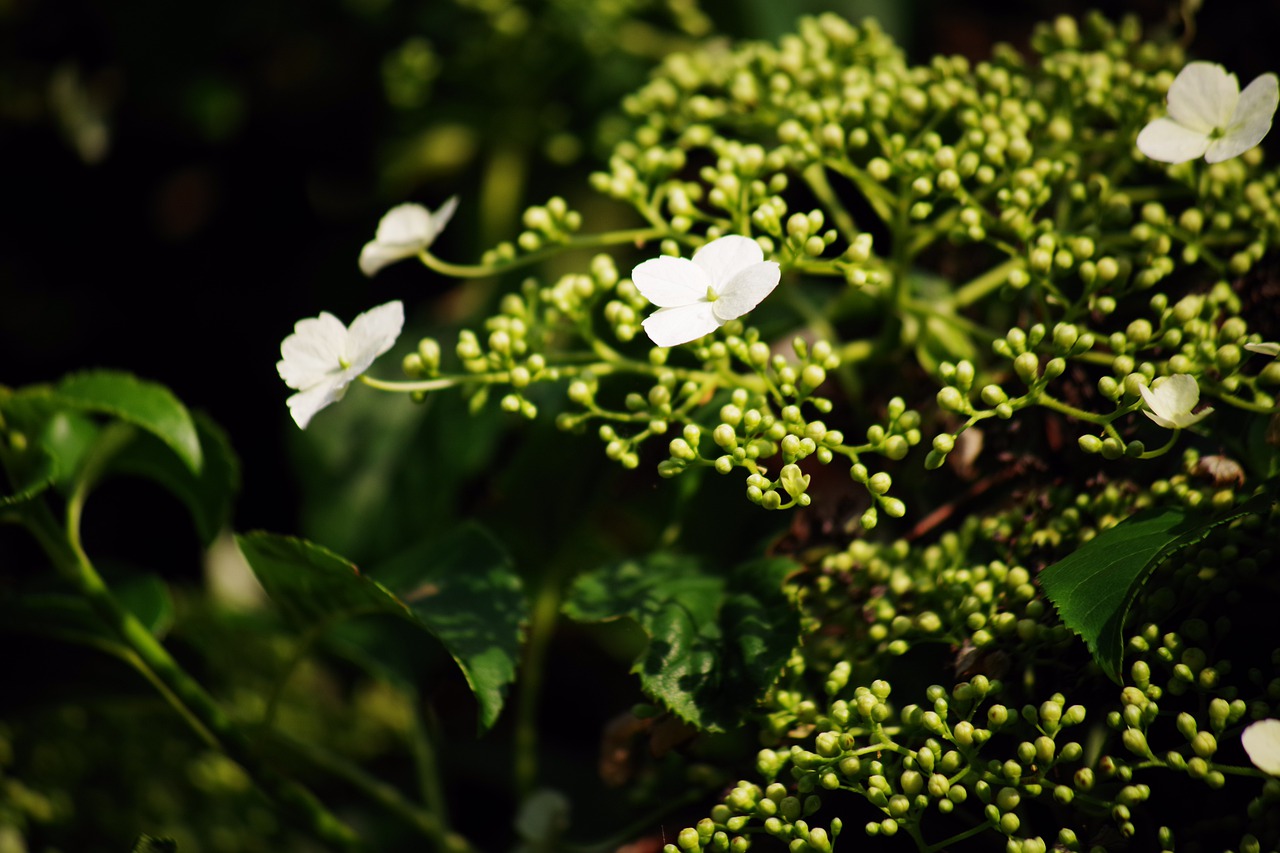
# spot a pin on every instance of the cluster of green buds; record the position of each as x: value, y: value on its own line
x: 907, y: 764
x: 1022, y: 170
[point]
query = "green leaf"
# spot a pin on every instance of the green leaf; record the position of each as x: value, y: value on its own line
x: 147, y: 844
x: 463, y: 590
x: 45, y: 444
x: 147, y: 405
x: 1094, y: 587
x: 207, y: 493
x: 33, y: 471
x: 716, y: 643
x: 311, y: 584
x: 69, y: 617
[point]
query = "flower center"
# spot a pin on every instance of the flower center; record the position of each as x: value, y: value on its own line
x: 712, y: 296
x: 343, y: 363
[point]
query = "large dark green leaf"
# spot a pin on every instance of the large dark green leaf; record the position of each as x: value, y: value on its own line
x: 207, y: 493
x: 1094, y: 587
x: 462, y: 589
x: 716, y: 642
x: 147, y: 405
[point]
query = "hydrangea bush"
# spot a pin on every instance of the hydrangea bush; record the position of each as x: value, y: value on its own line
x: 986, y: 347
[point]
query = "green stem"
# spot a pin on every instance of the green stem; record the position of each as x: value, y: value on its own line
x: 979, y: 287
x: 591, y: 241
x: 1071, y: 411
x: 191, y: 700
x: 387, y: 796
x: 959, y: 836
x: 1161, y: 451
x: 816, y: 177
x: 542, y: 623
x: 431, y: 787
x: 617, y: 363
x: 855, y: 351
x: 1241, y: 403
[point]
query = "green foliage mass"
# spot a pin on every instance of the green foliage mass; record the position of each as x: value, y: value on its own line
x: 980, y: 277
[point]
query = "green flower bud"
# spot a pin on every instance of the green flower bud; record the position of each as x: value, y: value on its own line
x: 1204, y: 744
x: 1136, y: 742
x: 951, y: 400
x: 1027, y: 366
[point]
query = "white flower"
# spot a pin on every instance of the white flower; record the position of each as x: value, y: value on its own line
x: 1209, y: 116
x: 1262, y: 741
x: 403, y: 232
x: 1172, y: 400
x: 322, y: 356
x: 726, y: 279
x: 1271, y: 349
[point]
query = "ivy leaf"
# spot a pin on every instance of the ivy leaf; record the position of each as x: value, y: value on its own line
x: 1094, y: 587
x: 147, y: 405
x: 462, y: 590
x: 716, y: 643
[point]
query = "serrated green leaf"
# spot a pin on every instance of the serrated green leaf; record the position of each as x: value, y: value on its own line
x: 147, y: 405
x: 463, y: 590
x: 208, y: 493
x: 1094, y: 587
x: 716, y: 643
x: 311, y: 584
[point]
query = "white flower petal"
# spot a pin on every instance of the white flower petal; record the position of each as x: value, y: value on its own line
x: 1149, y: 397
x: 404, y: 224
x: 669, y: 327
x: 670, y: 282
x: 1187, y: 419
x: 441, y: 218
x: 1169, y: 142
x: 1172, y: 400
x: 404, y: 231
x: 1261, y: 740
x: 313, y: 351
x: 373, y: 333
x: 304, y: 405
x: 374, y: 256
x: 724, y: 258
x: 1251, y: 121
x: 746, y: 290
x: 1271, y: 349
x: 322, y: 357
x: 1178, y: 394
x: 1203, y: 96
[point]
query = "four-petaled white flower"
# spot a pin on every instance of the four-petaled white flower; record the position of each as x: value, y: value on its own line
x: 322, y: 356
x: 403, y: 232
x: 1171, y: 401
x: 1209, y: 116
x: 1271, y: 349
x: 1262, y: 741
x: 725, y: 279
